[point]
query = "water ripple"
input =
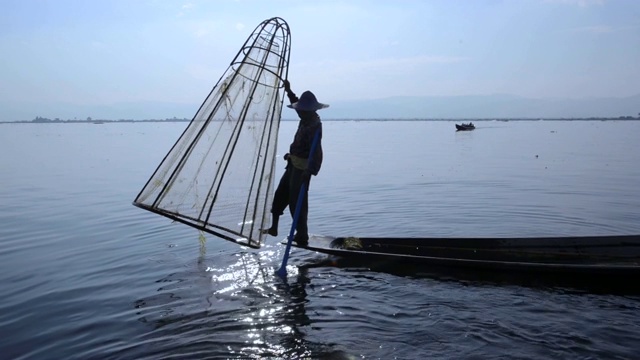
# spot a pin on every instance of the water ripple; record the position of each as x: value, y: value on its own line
x: 87, y: 275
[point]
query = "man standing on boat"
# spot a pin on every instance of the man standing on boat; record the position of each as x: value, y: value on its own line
x: 300, y: 165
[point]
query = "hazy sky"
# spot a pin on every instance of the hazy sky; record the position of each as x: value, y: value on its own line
x: 103, y: 52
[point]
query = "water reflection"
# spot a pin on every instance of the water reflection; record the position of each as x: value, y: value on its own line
x: 238, y: 308
x: 278, y: 330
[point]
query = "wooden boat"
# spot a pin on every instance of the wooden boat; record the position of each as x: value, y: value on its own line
x: 465, y: 127
x: 610, y: 256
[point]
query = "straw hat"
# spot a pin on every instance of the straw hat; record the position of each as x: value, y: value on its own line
x: 307, y: 102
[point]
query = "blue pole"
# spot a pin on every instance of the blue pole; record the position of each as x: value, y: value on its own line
x: 282, y: 272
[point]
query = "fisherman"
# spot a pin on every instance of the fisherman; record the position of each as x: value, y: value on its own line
x: 300, y: 166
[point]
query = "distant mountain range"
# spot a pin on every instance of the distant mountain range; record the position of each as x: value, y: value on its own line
x: 402, y: 107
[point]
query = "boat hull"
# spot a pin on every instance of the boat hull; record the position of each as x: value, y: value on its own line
x: 599, y: 255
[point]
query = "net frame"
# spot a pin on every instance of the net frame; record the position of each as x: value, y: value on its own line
x: 255, y: 73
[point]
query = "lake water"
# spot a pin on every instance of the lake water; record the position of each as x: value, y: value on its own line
x: 86, y: 275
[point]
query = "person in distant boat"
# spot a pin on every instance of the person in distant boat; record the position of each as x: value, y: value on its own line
x: 300, y: 165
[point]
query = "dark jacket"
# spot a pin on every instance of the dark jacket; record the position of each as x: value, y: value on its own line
x: 307, y: 127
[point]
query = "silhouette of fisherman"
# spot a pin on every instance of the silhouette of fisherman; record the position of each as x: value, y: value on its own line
x: 300, y: 165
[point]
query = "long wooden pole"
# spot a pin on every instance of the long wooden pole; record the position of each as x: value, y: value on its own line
x: 282, y: 272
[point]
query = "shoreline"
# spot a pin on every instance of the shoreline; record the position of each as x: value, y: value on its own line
x: 98, y: 122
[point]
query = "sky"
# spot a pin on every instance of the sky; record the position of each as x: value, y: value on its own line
x: 98, y: 53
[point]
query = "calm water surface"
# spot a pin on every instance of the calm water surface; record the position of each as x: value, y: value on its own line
x: 86, y: 275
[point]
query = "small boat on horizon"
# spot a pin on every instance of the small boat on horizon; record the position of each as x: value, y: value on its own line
x: 465, y: 127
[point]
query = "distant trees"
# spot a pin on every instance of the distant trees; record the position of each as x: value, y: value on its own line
x: 39, y: 119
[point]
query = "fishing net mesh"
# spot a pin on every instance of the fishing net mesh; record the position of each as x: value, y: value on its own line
x: 218, y: 176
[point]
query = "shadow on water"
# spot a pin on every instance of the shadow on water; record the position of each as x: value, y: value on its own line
x: 554, y: 282
x: 243, y: 310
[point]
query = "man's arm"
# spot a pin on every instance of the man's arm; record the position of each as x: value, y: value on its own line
x: 317, y: 157
x: 290, y: 94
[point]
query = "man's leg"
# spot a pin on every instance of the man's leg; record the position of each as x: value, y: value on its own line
x: 280, y: 202
x: 296, y: 181
x: 302, y: 231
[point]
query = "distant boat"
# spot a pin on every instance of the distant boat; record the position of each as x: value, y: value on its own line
x: 464, y: 127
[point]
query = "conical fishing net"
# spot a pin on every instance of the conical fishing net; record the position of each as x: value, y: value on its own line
x: 218, y: 176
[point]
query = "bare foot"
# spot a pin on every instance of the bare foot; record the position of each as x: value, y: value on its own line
x: 270, y: 231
